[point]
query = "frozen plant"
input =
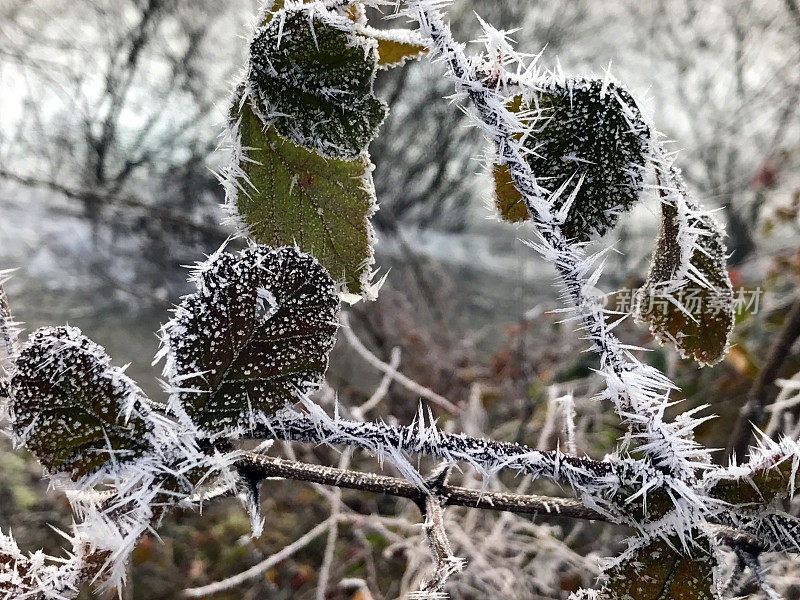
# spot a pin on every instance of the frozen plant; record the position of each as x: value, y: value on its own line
x: 244, y: 354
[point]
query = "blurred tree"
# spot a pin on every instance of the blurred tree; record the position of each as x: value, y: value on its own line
x: 113, y: 105
x: 731, y: 70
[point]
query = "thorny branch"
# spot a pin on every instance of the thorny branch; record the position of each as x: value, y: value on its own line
x: 265, y: 467
x: 487, y: 456
x: 638, y: 392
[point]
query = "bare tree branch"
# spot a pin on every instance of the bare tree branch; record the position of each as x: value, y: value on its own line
x: 396, y: 375
x: 528, y: 504
x: 100, y: 199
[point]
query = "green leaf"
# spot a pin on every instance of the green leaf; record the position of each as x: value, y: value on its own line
x: 581, y: 127
x: 255, y: 335
x: 72, y: 409
x: 313, y: 82
x: 290, y: 195
x: 687, y: 298
x: 658, y: 572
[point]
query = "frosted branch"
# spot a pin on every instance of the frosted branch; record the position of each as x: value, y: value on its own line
x: 598, y: 480
x: 638, y: 392
x: 445, y: 562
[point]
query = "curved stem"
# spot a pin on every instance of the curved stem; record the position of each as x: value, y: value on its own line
x: 638, y: 391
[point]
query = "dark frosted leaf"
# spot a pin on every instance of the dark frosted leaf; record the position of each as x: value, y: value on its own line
x: 687, y: 298
x: 257, y: 331
x: 290, y: 195
x: 395, y: 46
x: 313, y: 82
x: 657, y: 572
x: 582, y: 127
x: 73, y: 409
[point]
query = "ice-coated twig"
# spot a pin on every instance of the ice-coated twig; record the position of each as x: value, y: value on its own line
x: 425, y: 438
x: 607, y: 486
x: 445, y: 562
x: 392, y: 372
x: 450, y: 495
x: 638, y: 391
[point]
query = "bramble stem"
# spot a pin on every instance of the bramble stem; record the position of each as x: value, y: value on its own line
x: 487, y: 456
x: 263, y: 467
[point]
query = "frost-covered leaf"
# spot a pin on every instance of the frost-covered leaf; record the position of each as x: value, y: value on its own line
x: 658, y: 572
x: 313, y: 81
x: 290, y: 195
x: 687, y: 297
x: 74, y: 410
x: 395, y: 46
x: 771, y: 471
x: 256, y: 333
x: 585, y: 127
x: 393, y: 52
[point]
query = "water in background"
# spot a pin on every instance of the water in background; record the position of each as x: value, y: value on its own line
x: 497, y: 277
